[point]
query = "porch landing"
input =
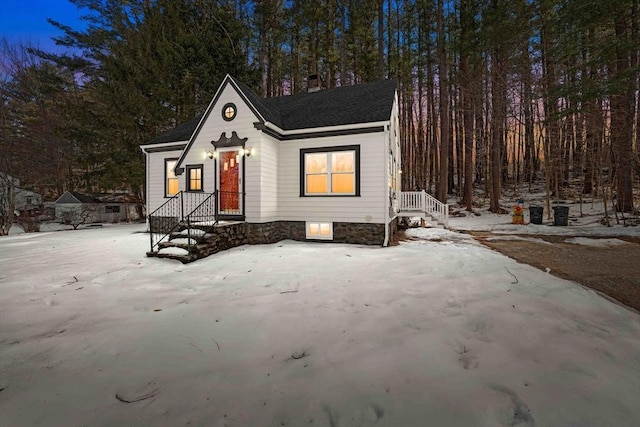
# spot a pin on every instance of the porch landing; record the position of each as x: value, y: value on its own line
x: 423, y: 205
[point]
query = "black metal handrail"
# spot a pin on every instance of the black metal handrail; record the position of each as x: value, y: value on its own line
x: 205, y: 215
x: 168, y: 217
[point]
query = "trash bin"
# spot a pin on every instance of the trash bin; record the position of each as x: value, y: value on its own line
x: 561, y: 215
x: 535, y: 214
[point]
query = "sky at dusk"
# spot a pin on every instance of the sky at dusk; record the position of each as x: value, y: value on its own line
x: 26, y: 21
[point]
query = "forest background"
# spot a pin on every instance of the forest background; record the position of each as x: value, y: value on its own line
x: 493, y: 94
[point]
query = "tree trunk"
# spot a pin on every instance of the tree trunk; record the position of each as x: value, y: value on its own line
x: 621, y: 119
x: 444, y: 107
x: 381, y: 39
x: 497, y: 130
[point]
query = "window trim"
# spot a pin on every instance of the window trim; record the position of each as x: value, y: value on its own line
x: 310, y: 236
x: 328, y: 150
x: 224, y: 110
x: 188, y: 170
x: 166, y: 177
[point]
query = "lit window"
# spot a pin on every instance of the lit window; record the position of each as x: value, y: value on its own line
x: 194, y: 178
x: 171, y: 180
x: 320, y: 230
x: 330, y: 172
x: 229, y: 112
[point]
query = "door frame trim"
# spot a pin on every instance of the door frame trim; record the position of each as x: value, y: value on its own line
x: 241, y: 187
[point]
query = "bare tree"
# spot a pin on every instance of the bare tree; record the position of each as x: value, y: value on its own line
x: 76, y: 216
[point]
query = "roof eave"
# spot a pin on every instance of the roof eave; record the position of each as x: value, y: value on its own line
x: 326, y: 128
x: 147, y: 147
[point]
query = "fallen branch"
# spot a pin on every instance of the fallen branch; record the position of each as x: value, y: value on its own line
x: 213, y: 339
x: 288, y: 292
x: 154, y: 393
x: 72, y: 282
x: 514, y: 276
x: 297, y: 356
x: 195, y: 346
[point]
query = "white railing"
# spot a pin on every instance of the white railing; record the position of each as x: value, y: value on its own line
x: 412, y: 201
x: 419, y: 202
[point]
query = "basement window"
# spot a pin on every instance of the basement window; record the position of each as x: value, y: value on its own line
x: 320, y: 230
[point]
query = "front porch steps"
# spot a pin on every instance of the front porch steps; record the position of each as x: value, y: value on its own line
x: 188, y: 244
x: 182, y: 243
x: 423, y: 205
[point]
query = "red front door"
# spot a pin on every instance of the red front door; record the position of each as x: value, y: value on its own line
x: 230, y: 180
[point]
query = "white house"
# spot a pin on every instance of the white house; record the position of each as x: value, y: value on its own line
x: 321, y: 165
x: 22, y: 199
x: 16, y: 202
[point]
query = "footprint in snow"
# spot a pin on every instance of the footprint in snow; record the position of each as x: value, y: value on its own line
x: 466, y: 359
x: 511, y: 411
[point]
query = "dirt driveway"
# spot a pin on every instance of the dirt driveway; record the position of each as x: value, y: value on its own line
x: 613, y: 271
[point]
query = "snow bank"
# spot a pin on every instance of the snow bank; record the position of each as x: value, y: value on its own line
x: 601, y: 243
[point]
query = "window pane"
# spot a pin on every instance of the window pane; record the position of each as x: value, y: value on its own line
x: 342, y: 161
x: 325, y: 229
x: 172, y: 186
x: 170, y: 165
x: 316, y: 183
x: 314, y: 229
x: 172, y: 180
x: 342, y: 183
x: 195, y: 179
x: 316, y: 163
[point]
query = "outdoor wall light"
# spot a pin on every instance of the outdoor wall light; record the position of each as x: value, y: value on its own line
x: 249, y: 151
x: 212, y: 154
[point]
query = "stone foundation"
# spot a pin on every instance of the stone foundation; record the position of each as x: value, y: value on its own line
x: 362, y: 234
x: 227, y: 236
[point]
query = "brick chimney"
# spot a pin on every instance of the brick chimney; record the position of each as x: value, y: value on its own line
x: 314, y: 83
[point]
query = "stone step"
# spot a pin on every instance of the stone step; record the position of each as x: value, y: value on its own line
x: 185, y: 259
x: 173, y: 244
x: 195, y: 233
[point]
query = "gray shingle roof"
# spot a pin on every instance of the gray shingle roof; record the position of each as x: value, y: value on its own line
x: 75, y: 197
x: 181, y: 132
x: 345, y: 105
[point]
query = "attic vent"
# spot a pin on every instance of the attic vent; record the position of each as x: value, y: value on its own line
x: 314, y: 83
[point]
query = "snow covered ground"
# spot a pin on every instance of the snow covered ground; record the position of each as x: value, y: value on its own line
x: 437, y: 331
x: 585, y: 219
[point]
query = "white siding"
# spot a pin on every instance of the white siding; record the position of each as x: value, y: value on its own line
x: 268, y: 158
x: 155, y: 178
x: 369, y: 207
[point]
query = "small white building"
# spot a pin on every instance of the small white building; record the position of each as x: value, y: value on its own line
x: 74, y: 207
x: 321, y: 165
x: 77, y: 208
